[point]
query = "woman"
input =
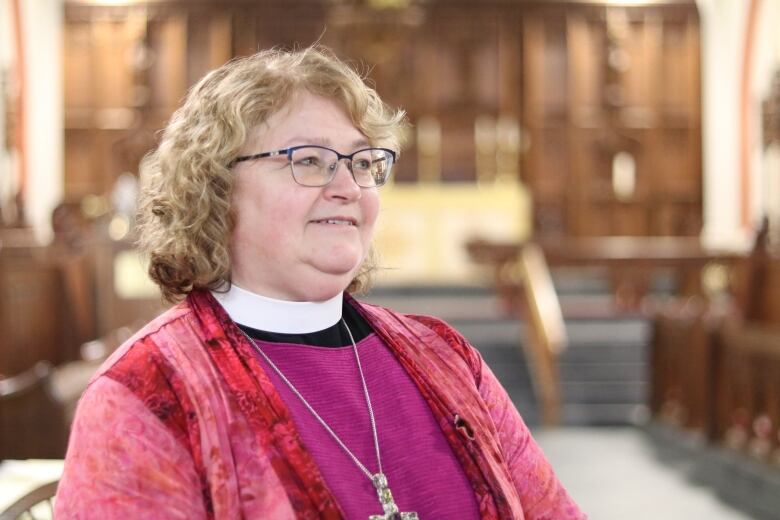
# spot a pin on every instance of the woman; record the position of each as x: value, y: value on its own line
x: 269, y: 392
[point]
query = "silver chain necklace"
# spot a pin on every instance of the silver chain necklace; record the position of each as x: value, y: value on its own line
x: 379, y: 480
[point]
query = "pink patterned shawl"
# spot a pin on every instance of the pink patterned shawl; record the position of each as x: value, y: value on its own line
x: 182, y: 422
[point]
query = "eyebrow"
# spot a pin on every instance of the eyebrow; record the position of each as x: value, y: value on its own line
x: 323, y: 141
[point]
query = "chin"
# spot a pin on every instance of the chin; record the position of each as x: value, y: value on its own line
x: 338, y: 277
x: 338, y: 263
x: 332, y: 279
x: 326, y: 289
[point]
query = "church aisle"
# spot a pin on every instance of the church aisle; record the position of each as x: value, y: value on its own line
x: 614, y: 474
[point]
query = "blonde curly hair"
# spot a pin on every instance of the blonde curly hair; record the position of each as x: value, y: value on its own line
x: 184, y: 220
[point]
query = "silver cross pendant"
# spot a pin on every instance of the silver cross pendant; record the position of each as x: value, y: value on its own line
x: 388, y: 505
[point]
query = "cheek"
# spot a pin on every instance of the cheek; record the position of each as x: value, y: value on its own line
x: 261, y: 218
x: 370, y: 210
x: 275, y: 221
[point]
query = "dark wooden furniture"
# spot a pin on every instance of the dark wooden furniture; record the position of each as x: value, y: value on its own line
x: 716, y: 364
x: 693, y: 345
x: 683, y: 365
x: 30, y: 304
x: 746, y: 414
x: 47, y: 296
x: 32, y: 422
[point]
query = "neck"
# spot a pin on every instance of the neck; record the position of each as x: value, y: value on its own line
x: 285, y: 317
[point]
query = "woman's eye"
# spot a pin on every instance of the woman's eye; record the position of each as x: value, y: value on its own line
x: 308, y: 161
x: 362, y: 164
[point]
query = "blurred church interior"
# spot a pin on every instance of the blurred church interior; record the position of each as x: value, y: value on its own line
x: 590, y: 192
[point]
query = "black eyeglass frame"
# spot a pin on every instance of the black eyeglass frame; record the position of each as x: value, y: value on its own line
x: 340, y: 156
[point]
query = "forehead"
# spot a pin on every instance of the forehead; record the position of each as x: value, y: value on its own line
x: 308, y: 119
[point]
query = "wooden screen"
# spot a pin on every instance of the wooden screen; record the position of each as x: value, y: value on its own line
x: 595, y: 107
x: 611, y: 107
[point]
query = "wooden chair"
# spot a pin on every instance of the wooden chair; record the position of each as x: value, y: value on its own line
x: 37, y: 504
x: 545, y: 336
x: 32, y: 423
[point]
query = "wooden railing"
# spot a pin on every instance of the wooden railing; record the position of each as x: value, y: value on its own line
x: 631, y: 262
x: 545, y: 331
x: 523, y: 281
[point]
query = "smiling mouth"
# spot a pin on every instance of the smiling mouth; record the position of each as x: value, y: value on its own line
x: 335, y: 222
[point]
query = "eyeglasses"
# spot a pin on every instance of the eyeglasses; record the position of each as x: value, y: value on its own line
x: 315, y: 166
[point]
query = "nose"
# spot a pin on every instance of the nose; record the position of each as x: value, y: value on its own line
x: 343, y: 184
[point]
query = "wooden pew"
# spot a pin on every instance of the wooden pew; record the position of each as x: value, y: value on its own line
x: 747, y: 417
x: 716, y: 367
x: 747, y: 346
x: 30, y: 304
x: 682, y: 365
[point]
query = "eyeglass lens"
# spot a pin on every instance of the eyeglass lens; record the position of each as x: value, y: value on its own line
x: 315, y: 166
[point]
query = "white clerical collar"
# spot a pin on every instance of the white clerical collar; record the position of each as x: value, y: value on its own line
x: 280, y: 316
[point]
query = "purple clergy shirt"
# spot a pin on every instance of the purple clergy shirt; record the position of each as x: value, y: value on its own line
x: 422, y: 471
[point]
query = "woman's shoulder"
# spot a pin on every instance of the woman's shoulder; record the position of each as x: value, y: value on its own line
x: 139, y: 372
x: 140, y: 352
x: 387, y: 316
x: 424, y: 327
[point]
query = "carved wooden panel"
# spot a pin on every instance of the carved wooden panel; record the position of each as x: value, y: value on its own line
x: 551, y: 92
x: 611, y: 107
x: 167, y: 74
